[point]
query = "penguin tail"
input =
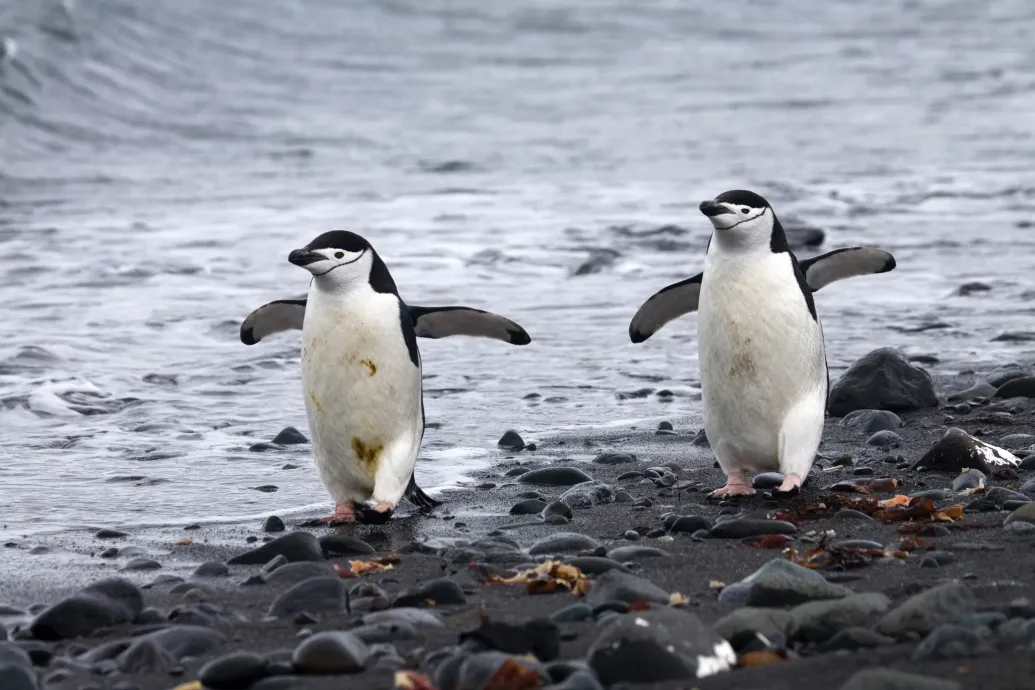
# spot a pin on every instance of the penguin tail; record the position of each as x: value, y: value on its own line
x: 417, y: 497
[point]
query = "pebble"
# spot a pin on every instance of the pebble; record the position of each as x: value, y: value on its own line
x: 781, y: 583
x: 750, y: 527
x: 139, y: 564
x: 957, y: 451
x: 595, y: 565
x: 934, y: 531
x: 631, y: 535
x: 555, y: 476
x: 1021, y: 528
x: 884, y: 439
x: 336, y: 544
x: 315, y: 595
x: 1022, y: 387
x: 515, y: 472
x: 289, y: 436
x: 588, y: 494
x: 890, y: 679
x: 110, y: 552
x: 665, y: 426
x: 441, y: 591
x: 701, y: 439
x: 101, y: 604
x: 1025, y: 513
x: 774, y: 624
x: 854, y: 639
x: 882, y: 380
x: 1002, y: 496
x: 615, y: 585
x: 816, y: 621
x: 947, y: 642
x: 296, y: 546
x: 16, y: 669
x: 863, y: 471
x: 235, y: 671
x: 211, y: 569
x: 1027, y: 463
x: 106, y: 533
x: 262, y: 447
x: 623, y: 497
x: 971, y: 479
x: 385, y: 632
x: 556, y: 520
x: 418, y: 618
x: 293, y: 573
x: 924, y: 612
x: 937, y: 559
x: 871, y: 421
x: 529, y: 506
x: 511, y: 441
x: 978, y: 390
x: 688, y: 524
x: 636, y: 553
x: 1027, y: 487
x: 572, y: 613
x: 613, y: 458
x: 273, y: 524
x: 274, y: 563
x: 563, y: 542
x: 853, y: 516
x: 625, y: 476
x: 766, y: 480
x: 658, y: 645
x: 476, y: 670
x: 330, y: 652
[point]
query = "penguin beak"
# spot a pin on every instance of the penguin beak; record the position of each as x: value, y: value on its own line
x: 367, y: 515
x: 713, y: 208
x: 304, y: 257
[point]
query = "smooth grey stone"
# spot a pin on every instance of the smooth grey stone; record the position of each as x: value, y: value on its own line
x: 871, y: 421
x: 418, y: 618
x: 924, y: 612
x: 556, y: 520
x: 688, y: 524
x: 101, y: 604
x: 572, y: 613
x: 772, y: 623
x: 766, y: 480
x: 957, y: 450
x: 884, y: 439
x: 274, y: 563
x: 636, y: 552
x: 1020, y: 387
x: 1021, y: 528
x: 385, y: 632
x: 1017, y: 441
x: 106, y: 533
x: 293, y: 573
x: 1025, y: 513
x: 180, y: 641
x: 273, y: 524
x: 296, y: 547
x: 782, y: 583
x: 750, y: 527
x: 588, y: 494
x: 948, y: 642
x: 891, y: 679
x: 971, y: 479
x: 557, y: 508
x: 511, y: 441
x: 315, y: 595
x: 1001, y: 496
x: 343, y: 545
x: 817, y: 621
x: 563, y: 542
x: 615, y: 585
x: 595, y: 565
x: 614, y: 458
x: 211, y: 569
x: 555, y: 476
x: 978, y: 390
x: 853, y: 516
x: 854, y: 639
x: 289, y: 436
x: 442, y: 591
x: 882, y: 380
x: 476, y: 669
x: 330, y: 652
x: 234, y: 671
x: 529, y: 506
x: 139, y: 564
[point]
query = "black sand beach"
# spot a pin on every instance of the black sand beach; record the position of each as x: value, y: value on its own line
x: 948, y: 597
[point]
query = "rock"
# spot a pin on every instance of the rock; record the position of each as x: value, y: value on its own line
x: 1024, y: 529
x: 140, y: 564
x: 418, y: 618
x: 572, y: 613
x: 343, y: 545
x: 636, y: 553
x: 1025, y: 513
x: 295, y: 547
x: 750, y: 527
x: 971, y: 479
x: 782, y: 583
x: 557, y: 508
x: 937, y: 559
x: 588, y: 494
x: 1001, y: 496
x: 106, y: 533
x: 766, y: 480
x: 293, y: 573
x: 16, y: 668
x: 948, y: 642
x: 1027, y: 487
x: 881, y: 380
x: 924, y: 612
x: 773, y: 624
x: 235, y: 671
x: 330, y: 652
x: 515, y: 472
x: 101, y: 604
x: 211, y: 569
x: 1028, y: 463
x: 688, y: 524
x: 1017, y: 441
x: 563, y: 542
x: 315, y: 595
x: 555, y: 520
x: 145, y: 656
x: 884, y: 439
x: 555, y: 476
x: 289, y: 436
x: 871, y: 421
x: 979, y: 390
x: 817, y: 621
x: 442, y: 591
x: 1023, y: 387
x: 529, y: 506
x: 385, y: 632
x: 890, y: 679
x: 476, y: 670
x: 665, y: 426
x: 615, y: 585
x: 957, y: 450
x: 701, y: 439
x: 854, y: 639
x: 511, y: 441
x: 273, y: 524
x: 539, y: 636
x: 853, y: 516
x: 658, y: 645
x: 612, y: 458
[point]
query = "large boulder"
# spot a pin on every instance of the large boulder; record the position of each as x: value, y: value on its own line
x: 882, y: 380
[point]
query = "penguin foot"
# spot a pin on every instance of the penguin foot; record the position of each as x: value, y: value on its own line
x: 736, y: 485
x: 344, y: 514
x: 791, y: 485
x: 374, y: 512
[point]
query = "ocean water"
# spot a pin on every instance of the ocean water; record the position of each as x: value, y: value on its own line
x: 543, y: 159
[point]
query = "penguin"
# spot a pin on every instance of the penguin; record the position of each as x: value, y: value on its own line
x: 361, y: 371
x: 764, y: 374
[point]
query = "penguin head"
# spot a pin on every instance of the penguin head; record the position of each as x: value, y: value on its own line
x: 336, y: 259
x: 741, y: 216
x: 367, y: 513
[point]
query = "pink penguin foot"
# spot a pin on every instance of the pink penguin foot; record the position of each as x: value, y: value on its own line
x: 736, y: 485
x: 344, y: 514
x: 791, y: 484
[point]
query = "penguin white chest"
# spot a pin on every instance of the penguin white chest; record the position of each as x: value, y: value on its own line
x: 761, y: 354
x: 362, y: 392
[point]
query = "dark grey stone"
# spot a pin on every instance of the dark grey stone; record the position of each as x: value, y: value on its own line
x: 854, y: 639
x: 234, y: 671
x: 882, y: 380
x: 288, y: 436
x: 140, y: 564
x: 476, y: 670
x: 971, y: 479
x: 511, y: 441
x: 689, y: 524
x: 273, y: 524
x: 1021, y: 387
x: 816, y: 621
x: 766, y: 480
x: 529, y: 506
x: 924, y: 612
x: 636, y: 553
x: 774, y: 624
x: 418, y: 618
x: 891, y: 679
x: 343, y: 545
x: 106, y: 533
x: 957, y: 450
x: 614, y: 458
x: 442, y: 591
x: 293, y: 573
x: 211, y: 569
x: 588, y: 494
x: 557, y: 508
x: 330, y: 652
x: 101, y: 604
x: 1026, y: 513
x: 296, y: 546
x: 555, y: 476
x: 884, y: 439
x: 572, y: 613
x: 948, y: 642
x: 563, y: 542
x: 782, y: 583
x: 615, y: 585
x: 750, y: 527
x: 595, y: 565
x: 315, y: 595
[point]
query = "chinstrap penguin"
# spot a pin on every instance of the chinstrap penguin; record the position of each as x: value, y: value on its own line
x: 361, y: 371
x: 764, y: 376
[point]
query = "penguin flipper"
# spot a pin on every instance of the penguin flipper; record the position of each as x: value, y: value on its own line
x: 443, y: 322
x: 417, y: 497
x: 275, y: 317
x: 665, y: 305
x: 849, y: 262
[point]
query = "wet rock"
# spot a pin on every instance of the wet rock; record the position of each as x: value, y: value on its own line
x: 273, y: 524
x: 1027, y: 487
x: 141, y: 564
x: 595, y: 565
x: 750, y: 527
x: 106, y: 533
x: 515, y: 472
x: 588, y: 494
x: 572, y: 613
x: 774, y: 624
x: 441, y: 591
x: 1025, y: 513
x: 871, y: 421
x: 658, y: 645
x: 1017, y: 441
x: 781, y: 583
x: 385, y: 632
x: 948, y: 642
x: 211, y: 569
x: 16, y: 671
x: 882, y: 380
x: 890, y: 679
x: 315, y: 595
x: 665, y: 426
x: 957, y: 450
x: 854, y: 639
x: 330, y: 652
x: 293, y: 573
x: 289, y: 436
x: 556, y: 520
x: 979, y: 390
x: 476, y: 670
x: 511, y: 441
x: 636, y: 553
x: 145, y: 656
x: 884, y: 439
x: 701, y: 439
x: 529, y: 506
x: 615, y: 585
x: 937, y: 559
x: 1023, y: 387
x: 924, y: 612
x: 557, y: 508
x: 555, y: 476
x: 850, y: 515
x: 563, y: 542
x: 101, y: 604
x: 295, y: 547
x: 613, y: 458
x: 766, y: 480
x: 1002, y: 496
x: 539, y: 636
x: 235, y: 671
x: 343, y: 545
x: 688, y: 524
x: 816, y: 621
x: 971, y: 479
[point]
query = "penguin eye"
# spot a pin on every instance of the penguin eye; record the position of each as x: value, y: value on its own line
x: 338, y: 255
x: 745, y: 211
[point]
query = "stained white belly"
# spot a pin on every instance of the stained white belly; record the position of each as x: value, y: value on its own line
x: 362, y: 391
x: 760, y: 352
